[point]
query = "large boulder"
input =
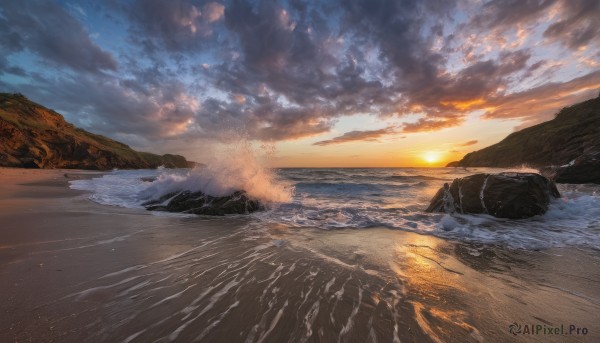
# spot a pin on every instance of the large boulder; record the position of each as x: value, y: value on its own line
x: 584, y: 169
x: 200, y: 203
x: 504, y: 195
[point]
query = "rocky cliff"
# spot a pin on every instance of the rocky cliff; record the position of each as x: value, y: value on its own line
x: 33, y: 136
x: 572, y: 136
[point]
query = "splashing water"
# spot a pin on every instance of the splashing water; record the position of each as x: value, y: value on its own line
x: 360, y: 198
x: 236, y: 168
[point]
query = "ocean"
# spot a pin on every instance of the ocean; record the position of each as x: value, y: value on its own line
x: 362, y: 198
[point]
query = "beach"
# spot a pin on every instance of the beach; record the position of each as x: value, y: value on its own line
x: 74, y: 270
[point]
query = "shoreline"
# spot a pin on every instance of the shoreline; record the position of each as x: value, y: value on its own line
x: 74, y: 270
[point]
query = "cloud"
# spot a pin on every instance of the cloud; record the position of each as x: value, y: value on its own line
x: 426, y: 125
x: 268, y: 121
x: 540, y: 103
x: 579, y: 24
x: 289, y: 70
x: 507, y: 13
x: 376, y: 62
x: 575, y: 23
x: 353, y: 136
x: 473, y: 142
x: 213, y: 11
x: 48, y: 30
x: 469, y: 88
x: 532, y: 106
x: 176, y: 25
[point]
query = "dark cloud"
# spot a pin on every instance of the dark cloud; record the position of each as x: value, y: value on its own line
x: 579, y: 24
x: 177, y: 25
x: 376, y: 62
x: 49, y: 31
x: 267, y: 121
x: 470, y: 86
x: 507, y: 13
x: 295, y: 69
x: 396, y: 27
x: 352, y: 136
x: 292, y: 69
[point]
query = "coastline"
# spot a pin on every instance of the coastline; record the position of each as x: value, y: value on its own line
x: 74, y: 270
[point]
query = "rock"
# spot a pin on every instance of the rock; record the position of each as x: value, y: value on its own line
x: 200, y: 203
x: 148, y: 178
x: 584, y: 169
x: 504, y: 195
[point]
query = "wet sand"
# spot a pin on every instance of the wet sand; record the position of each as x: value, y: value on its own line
x: 73, y: 271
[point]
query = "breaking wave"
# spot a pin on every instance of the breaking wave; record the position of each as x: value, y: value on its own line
x: 238, y: 168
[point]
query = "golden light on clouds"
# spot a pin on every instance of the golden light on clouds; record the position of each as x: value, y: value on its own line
x: 464, y: 105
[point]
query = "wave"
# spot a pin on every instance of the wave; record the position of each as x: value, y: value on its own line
x: 359, y: 202
x: 573, y: 221
x: 237, y: 169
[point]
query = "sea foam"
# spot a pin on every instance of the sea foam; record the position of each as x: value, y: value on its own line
x: 359, y: 198
x: 236, y: 168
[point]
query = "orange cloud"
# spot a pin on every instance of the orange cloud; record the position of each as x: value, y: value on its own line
x: 353, y: 136
x: 424, y: 124
x: 473, y: 142
x: 539, y: 104
x: 465, y: 104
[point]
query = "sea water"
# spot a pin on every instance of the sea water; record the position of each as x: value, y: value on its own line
x: 362, y: 198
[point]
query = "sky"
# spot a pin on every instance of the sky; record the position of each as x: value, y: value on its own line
x: 345, y: 83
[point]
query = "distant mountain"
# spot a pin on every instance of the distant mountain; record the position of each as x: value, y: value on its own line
x: 572, y: 138
x: 32, y: 136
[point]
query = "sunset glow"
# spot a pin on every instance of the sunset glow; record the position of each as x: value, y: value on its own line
x: 431, y: 157
x: 186, y: 76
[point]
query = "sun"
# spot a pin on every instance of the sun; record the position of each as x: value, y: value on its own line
x: 431, y: 157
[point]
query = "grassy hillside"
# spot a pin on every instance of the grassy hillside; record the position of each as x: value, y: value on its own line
x: 575, y: 131
x: 32, y: 135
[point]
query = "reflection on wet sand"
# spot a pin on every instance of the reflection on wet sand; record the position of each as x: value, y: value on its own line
x: 461, y: 292
x: 432, y: 280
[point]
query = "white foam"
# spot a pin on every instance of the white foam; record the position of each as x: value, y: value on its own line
x: 119, y: 188
x: 360, y: 199
x: 237, y: 168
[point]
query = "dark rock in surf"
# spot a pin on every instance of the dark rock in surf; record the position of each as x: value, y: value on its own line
x: 504, y: 195
x: 200, y: 203
x: 584, y: 169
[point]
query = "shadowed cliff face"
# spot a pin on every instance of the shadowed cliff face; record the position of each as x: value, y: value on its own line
x: 32, y: 136
x: 573, y: 133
